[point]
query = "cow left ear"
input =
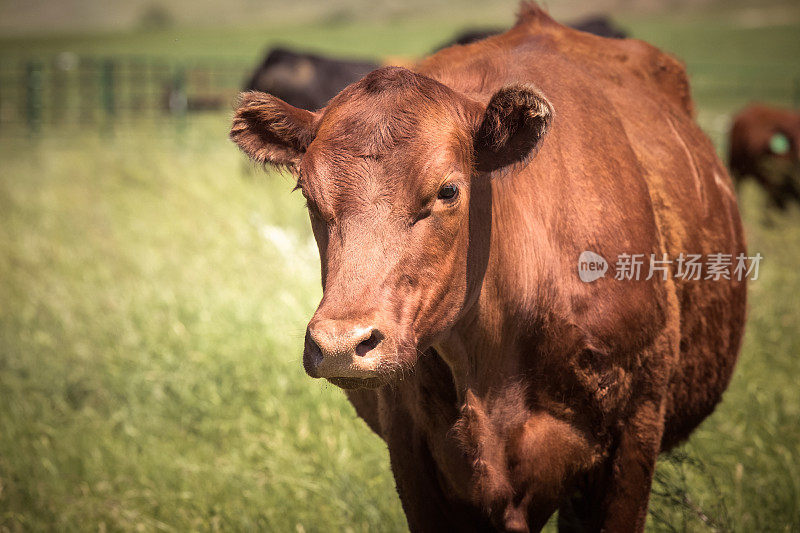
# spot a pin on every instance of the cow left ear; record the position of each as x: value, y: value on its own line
x: 512, y: 127
x: 270, y: 131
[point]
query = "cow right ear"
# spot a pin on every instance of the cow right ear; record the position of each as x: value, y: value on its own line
x: 270, y: 131
x: 512, y: 128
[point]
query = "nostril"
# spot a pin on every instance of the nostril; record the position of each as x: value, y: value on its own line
x: 312, y: 356
x: 366, y: 345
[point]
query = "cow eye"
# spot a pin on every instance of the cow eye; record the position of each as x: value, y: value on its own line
x: 448, y: 192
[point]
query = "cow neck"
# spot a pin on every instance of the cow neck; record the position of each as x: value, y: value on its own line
x: 481, y: 349
x: 481, y: 358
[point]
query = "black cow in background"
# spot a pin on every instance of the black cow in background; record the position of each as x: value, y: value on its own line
x: 308, y: 81
x: 597, y: 24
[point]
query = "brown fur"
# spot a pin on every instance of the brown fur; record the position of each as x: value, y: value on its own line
x: 750, y: 154
x: 505, y: 387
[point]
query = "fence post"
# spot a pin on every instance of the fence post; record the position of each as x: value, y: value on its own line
x: 57, y: 88
x: 2, y: 92
x: 796, y: 95
x: 178, y: 101
x: 33, y: 96
x: 87, y: 89
x: 107, y: 92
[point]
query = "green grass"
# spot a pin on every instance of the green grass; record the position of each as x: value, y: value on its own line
x: 743, y: 464
x: 153, y: 297
x: 151, y: 327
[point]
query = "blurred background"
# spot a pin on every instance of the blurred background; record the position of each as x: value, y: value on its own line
x: 154, y: 287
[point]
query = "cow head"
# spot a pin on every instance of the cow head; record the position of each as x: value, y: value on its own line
x: 395, y: 172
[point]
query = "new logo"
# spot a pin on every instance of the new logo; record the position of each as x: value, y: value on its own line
x: 591, y: 266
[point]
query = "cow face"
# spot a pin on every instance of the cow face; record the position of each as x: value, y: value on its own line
x: 395, y: 172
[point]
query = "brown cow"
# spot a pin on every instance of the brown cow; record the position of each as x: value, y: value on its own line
x: 764, y: 145
x: 450, y: 206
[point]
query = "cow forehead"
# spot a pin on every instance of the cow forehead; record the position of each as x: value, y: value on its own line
x: 373, y: 127
x: 391, y: 108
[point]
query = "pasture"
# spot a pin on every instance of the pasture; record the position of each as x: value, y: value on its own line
x: 154, y: 291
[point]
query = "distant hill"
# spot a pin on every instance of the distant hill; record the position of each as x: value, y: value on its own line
x: 45, y: 16
x: 20, y: 17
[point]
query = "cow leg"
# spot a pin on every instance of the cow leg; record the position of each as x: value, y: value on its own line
x: 426, y: 505
x: 582, y: 512
x: 575, y: 515
x: 632, y: 467
x: 615, y: 498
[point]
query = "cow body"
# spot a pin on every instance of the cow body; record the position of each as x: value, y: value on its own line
x: 524, y: 391
x: 752, y: 151
x: 566, y: 372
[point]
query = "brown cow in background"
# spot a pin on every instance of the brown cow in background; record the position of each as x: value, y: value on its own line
x: 450, y: 206
x: 764, y: 145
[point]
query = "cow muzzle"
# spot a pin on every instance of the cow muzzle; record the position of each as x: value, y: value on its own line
x: 349, y: 354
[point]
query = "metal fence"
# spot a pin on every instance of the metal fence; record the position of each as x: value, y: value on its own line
x: 106, y: 92
x: 94, y: 91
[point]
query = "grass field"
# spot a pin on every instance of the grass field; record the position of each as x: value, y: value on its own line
x: 154, y: 293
